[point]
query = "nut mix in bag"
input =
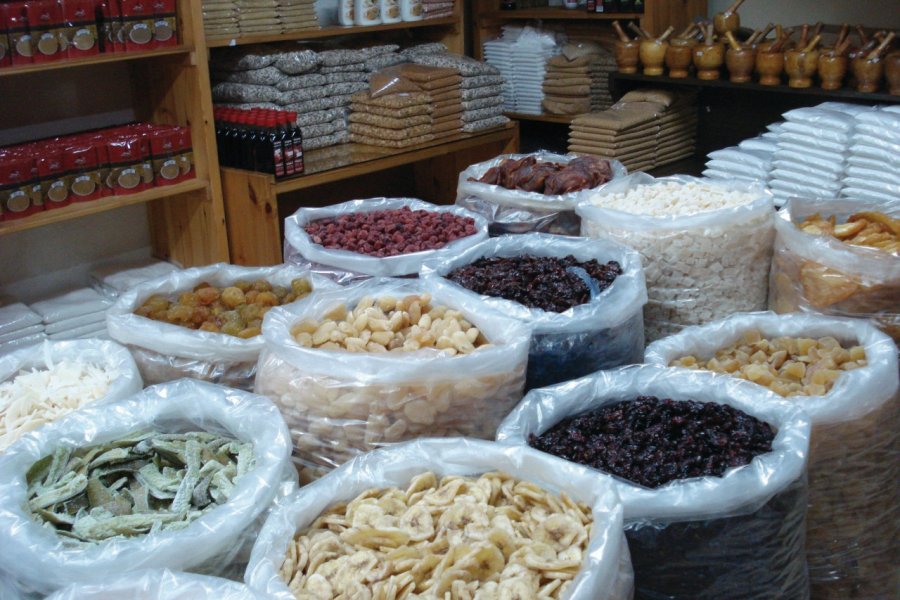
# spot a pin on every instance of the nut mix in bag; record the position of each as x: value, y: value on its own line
x: 843, y: 264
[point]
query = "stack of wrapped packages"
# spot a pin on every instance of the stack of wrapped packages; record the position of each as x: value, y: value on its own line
x: 114, y: 279
x: 436, y: 9
x: 227, y: 19
x: 577, y: 79
x: 78, y: 314
x: 873, y: 163
x: 482, y: 89
x: 742, y: 162
x: 521, y: 54
x: 645, y: 129
x: 19, y: 326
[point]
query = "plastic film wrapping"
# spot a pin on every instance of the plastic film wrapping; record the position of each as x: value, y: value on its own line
x: 604, y: 333
x: 820, y: 274
x: 165, y: 352
x: 41, y: 561
x: 853, y: 520
x: 739, y: 536
x: 159, y: 584
x: 339, y: 403
x: 605, y: 573
x: 698, y: 267
x: 518, y: 211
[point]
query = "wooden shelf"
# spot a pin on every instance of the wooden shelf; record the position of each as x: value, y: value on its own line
x: 99, y: 59
x: 544, y: 118
x: 724, y: 84
x: 557, y: 14
x: 83, y: 209
x: 326, y: 32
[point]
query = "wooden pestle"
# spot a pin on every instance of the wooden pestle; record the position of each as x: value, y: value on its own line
x: 734, y: 7
x: 732, y: 42
x: 780, y: 42
x: 666, y: 34
x: 623, y: 37
x: 804, y: 33
x: 842, y: 35
x: 641, y: 33
x: 812, y: 45
x: 760, y: 34
x: 863, y: 38
x: 687, y: 32
x: 877, y: 52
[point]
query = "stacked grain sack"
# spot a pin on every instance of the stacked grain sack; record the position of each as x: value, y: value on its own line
x: 395, y: 119
x: 602, y: 64
x: 436, y: 9
x: 442, y: 84
x: 567, y: 83
x: 226, y: 19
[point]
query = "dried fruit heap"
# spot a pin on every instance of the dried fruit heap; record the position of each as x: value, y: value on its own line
x: 384, y: 233
x: 535, y: 281
x: 145, y: 482
x: 869, y: 229
x: 550, y: 178
x: 462, y: 537
x: 651, y: 442
x: 236, y: 310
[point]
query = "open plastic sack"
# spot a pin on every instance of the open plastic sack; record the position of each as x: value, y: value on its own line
x: 739, y: 536
x: 818, y: 273
x: 605, y: 572
x: 699, y: 267
x: 158, y: 585
x: 606, y: 332
x: 853, y: 521
x: 26, y: 413
x: 345, y: 266
x: 518, y: 211
x: 338, y: 403
x: 42, y: 561
x: 165, y: 352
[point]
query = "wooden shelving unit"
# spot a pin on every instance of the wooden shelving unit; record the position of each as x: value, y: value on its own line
x: 544, y: 118
x: 171, y: 86
x: 252, y: 199
x: 555, y: 14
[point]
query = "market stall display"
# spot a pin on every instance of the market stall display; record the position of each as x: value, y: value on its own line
x: 204, y: 322
x: 706, y: 244
x: 815, y: 271
x: 584, y: 298
x: 46, y: 381
x: 349, y: 378
x: 41, y: 560
x: 378, y: 237
x: 564, y: 535
x: 518, y: 193
x: 843, y: 374
x: 690, y: 534
x: 158, y: 584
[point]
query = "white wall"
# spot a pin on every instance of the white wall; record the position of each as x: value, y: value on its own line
x: 872, y: 13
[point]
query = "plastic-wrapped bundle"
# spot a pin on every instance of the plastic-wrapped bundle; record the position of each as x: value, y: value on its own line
x: 159, y: 585
x: 165, y: 352
x: 520, y: 211
x: 110, y: 371
x: 853, y: 520
x: 40, y: 560
x: 345, y: 266
x: 605, y: 332
x: 706, y: 245
x: 339, y: 403
x: 604, y: 572
x: 739, y: 536
x: 821, y: 274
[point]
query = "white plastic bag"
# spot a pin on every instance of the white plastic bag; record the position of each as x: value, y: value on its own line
x: 818, y: 273
x: 165, y: 352
x: 698, y: 267
x: 518, y: 211
x: 158, y: 584
x: 739, y: 536
x: 345, y: 266
x: 606, y: 332
x: 606, y: 572
x: 853, y: 516
x: 40, y: 560
x: 108, y: 355
x: 338, y: 403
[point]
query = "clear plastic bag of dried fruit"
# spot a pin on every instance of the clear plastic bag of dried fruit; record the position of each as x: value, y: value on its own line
x: 605, y: 332
x: 165, y: 351
x: 853, y: 520
x: 340, y: 403
x: 700, y: 265
x: 521, y: 202
x: 158, y: 584
x: 41, y: 558
x: 821, y: 274
x: 597, y: 567
x: 739, y: 536
x: 403, y: 256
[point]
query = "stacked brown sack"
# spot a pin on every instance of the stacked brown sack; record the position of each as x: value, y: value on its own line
x: 435, y: 9
x: 644, y: 130
x: 577, y: 79
x: 442, y: 84
x: 602, y: 64
x: 224, y: 19
x: 393, y: 113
